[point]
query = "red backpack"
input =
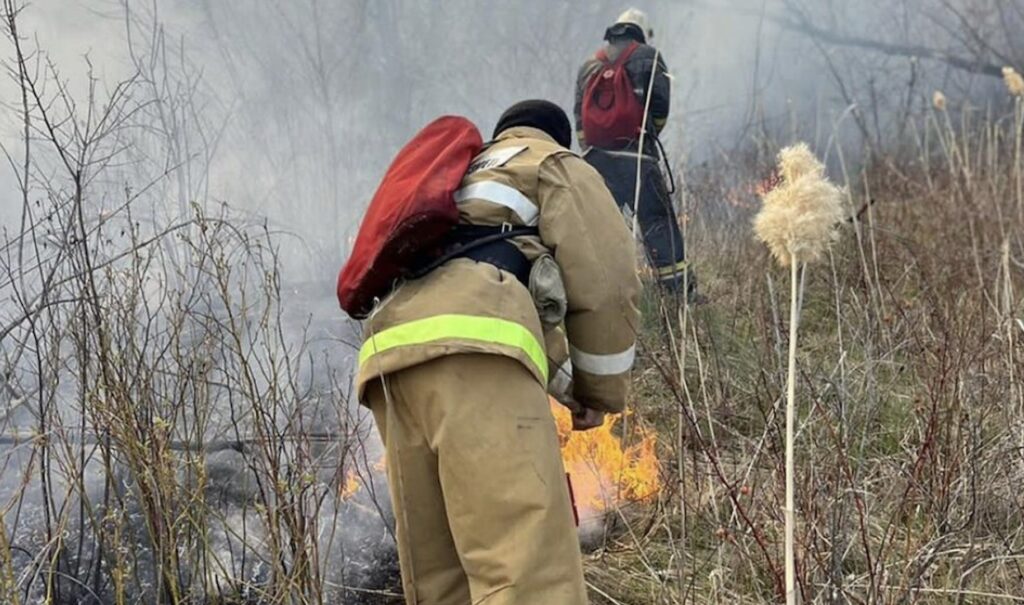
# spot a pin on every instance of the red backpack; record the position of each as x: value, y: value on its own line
x: 411, y: 213
x: 612, y: 113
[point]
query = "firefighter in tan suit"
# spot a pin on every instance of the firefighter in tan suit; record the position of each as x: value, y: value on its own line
x: 455, y: 369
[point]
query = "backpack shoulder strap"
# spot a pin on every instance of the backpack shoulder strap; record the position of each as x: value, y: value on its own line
x: 602, y: 55
x: 626, y: 54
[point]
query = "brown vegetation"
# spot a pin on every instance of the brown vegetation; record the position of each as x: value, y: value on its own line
x: 142, y: 352
x: 911, y: 421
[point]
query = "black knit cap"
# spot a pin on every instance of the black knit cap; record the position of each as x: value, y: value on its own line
x: 628, y: 31
x: 543, y: 115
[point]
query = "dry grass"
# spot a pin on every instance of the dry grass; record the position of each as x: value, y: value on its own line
x: 169, y: 431
x: 140, y: 352
x: 911, y: 420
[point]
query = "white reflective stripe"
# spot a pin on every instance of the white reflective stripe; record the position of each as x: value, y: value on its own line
x: 603, y: 365
x: 503, y: 195
x: 562, y: 380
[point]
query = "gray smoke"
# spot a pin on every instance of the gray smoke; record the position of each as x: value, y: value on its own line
x: 305, y: 102
x: 282, y: 116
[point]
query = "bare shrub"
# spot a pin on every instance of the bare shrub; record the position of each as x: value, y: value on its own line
x: 171, y: 431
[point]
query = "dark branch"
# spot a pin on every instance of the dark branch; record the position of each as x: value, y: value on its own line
x: 801, y: 24
x: 828, y: 36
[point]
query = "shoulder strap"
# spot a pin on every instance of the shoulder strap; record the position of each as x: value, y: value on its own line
x: 464, y: 239
x: 626, y: 54
x: 602, y: 55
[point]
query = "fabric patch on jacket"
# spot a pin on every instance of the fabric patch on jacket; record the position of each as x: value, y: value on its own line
x: 494, y: 159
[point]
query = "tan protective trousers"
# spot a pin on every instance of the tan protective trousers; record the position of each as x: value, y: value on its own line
x: 479, y: 493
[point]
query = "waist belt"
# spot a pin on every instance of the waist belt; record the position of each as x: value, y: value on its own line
x: 486, y: 244
x: 622, y: 153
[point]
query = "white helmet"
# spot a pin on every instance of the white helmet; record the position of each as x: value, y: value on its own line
x: 637, y: 17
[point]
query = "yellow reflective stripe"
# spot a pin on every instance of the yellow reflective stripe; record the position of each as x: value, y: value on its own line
x: 679, y: 267
x: 491, y: 330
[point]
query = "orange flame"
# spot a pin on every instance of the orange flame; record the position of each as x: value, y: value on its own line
x: 604, y: 474
x: 351, y: 485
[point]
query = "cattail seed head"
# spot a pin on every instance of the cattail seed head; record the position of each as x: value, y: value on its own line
x: 799, y: 217
x: 939, y: 100
x: 1014, y: 81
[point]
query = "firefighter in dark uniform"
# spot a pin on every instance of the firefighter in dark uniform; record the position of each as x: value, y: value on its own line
x: 655, y: 215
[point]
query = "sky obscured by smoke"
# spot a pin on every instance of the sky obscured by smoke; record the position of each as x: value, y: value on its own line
x: 296, y: 108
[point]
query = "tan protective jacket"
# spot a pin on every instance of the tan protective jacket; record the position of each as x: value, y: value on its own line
x: 524, y: 178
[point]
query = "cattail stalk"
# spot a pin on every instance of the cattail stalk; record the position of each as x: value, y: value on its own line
x: 640, y: 144
x: 790, y: 510
x: 1018, y: 130
x: 797, y: 221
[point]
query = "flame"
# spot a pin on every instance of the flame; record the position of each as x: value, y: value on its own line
x: 605, y: 474
x: 354, y: 480
x: 351, y: 485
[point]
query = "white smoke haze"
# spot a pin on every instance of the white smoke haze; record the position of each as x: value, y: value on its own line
x: 306, y: 101
x: 247, y: 138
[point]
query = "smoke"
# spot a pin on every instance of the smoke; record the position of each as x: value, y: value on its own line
x: 288, y: 113
x: 303, y: 103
